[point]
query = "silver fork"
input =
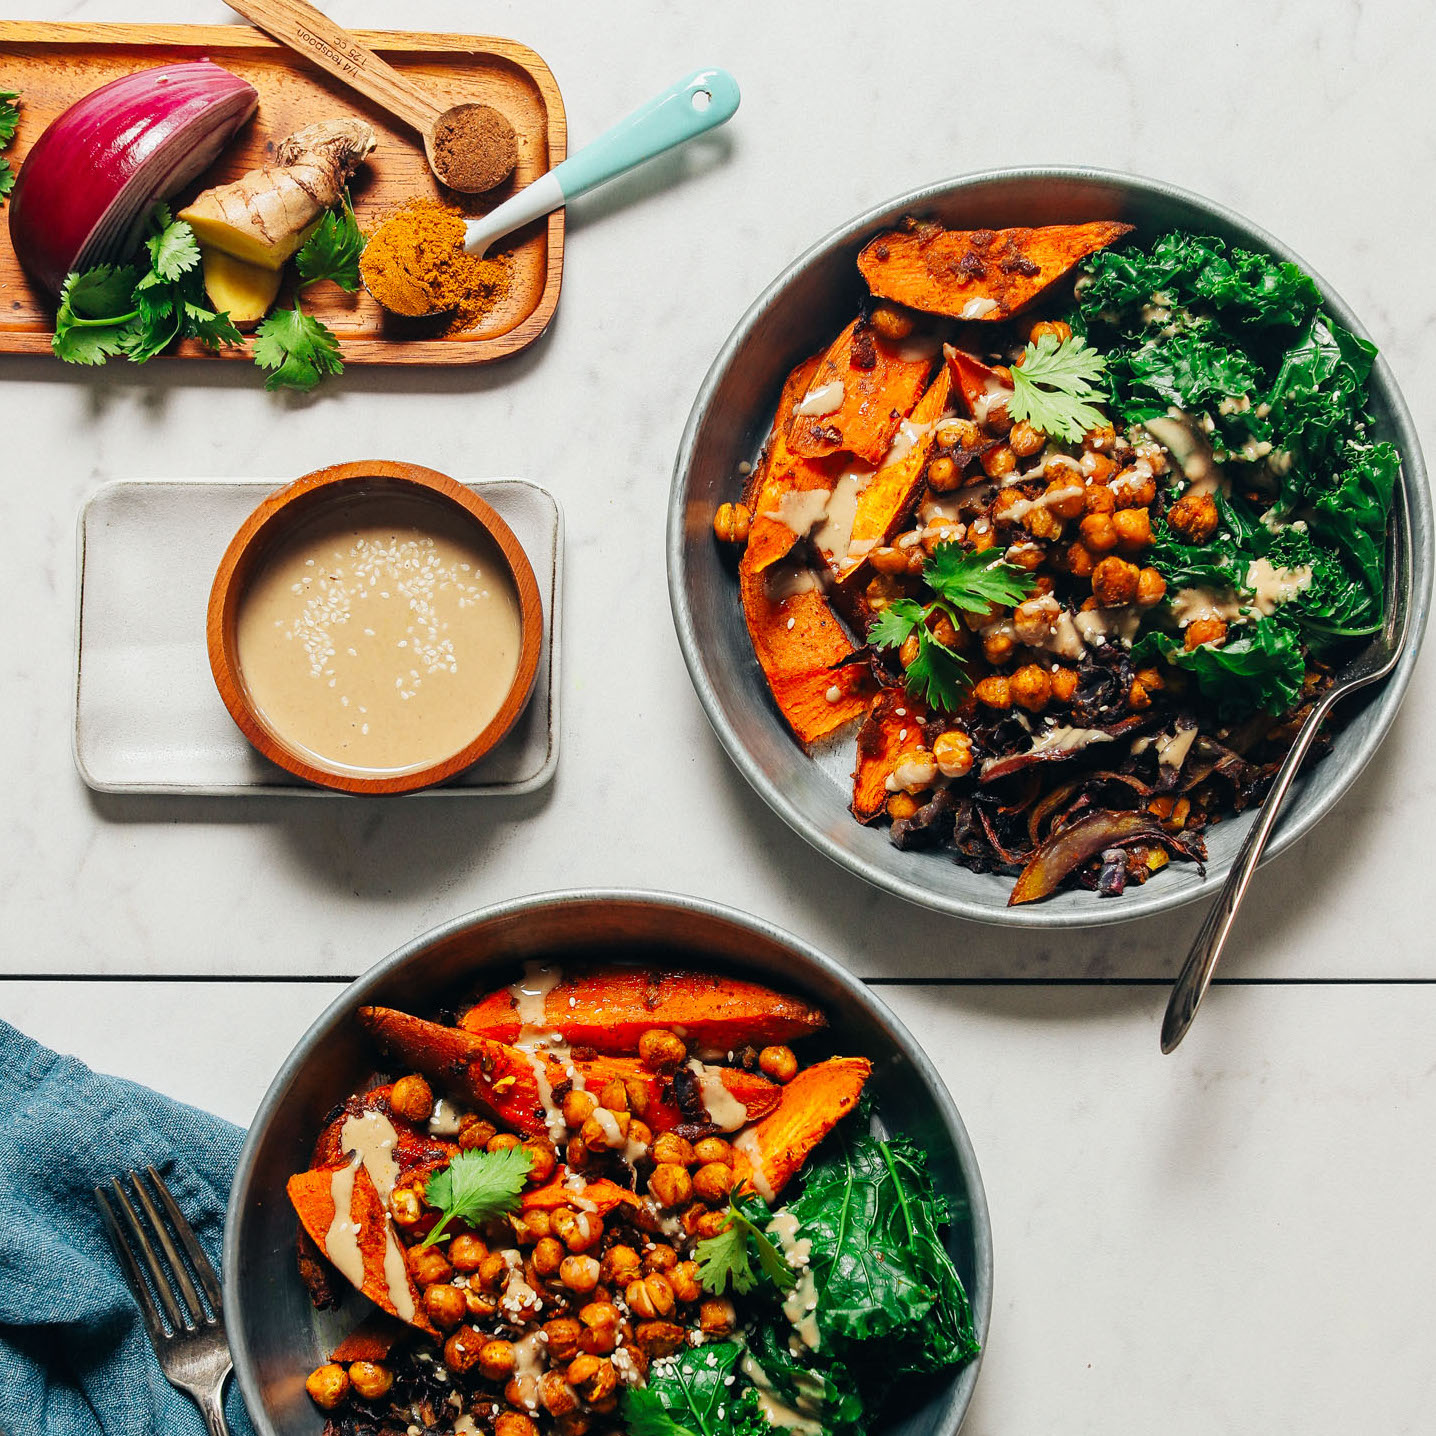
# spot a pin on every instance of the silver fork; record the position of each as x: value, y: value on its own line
x: 189, y: 1339
x: 1374, y: 661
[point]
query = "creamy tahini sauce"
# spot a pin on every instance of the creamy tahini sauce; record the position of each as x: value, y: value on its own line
x: 820, y: 402
x: 800, y: 1304
x: 748, y: 1144
x: 725, y: 1111
x: 381, y: 636
x: 341, y: 1241
x: 371, y: 1137
x: 776, y: 1411
x: 1272, y: 586
x: 1190, y: 604
x: 539, y: 1043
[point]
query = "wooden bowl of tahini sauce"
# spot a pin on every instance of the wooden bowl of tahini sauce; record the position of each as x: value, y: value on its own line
x: 374, y: 627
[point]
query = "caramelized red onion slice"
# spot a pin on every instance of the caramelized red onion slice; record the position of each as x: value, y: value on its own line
x: 89, y: 181
x: 1064, y: 852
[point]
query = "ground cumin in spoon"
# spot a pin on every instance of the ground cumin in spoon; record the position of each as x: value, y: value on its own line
x: 415, y: 265
x: 475, y: 148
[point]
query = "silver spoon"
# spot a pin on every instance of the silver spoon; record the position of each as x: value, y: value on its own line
x: 1374, y: 661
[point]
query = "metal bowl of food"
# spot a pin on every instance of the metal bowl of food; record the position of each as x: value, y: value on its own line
x: 798, y: 314
x: 276, y: 1334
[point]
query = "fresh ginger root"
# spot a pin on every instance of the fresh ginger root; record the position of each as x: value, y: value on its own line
x: 263, y: 217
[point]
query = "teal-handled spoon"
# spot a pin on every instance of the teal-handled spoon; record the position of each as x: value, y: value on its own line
x: 694, y: 105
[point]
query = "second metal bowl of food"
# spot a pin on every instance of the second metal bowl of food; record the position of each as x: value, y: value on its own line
x: 276, y: 1335
x: 800, y: 312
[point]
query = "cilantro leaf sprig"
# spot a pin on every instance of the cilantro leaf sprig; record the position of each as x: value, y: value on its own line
x: 9, y: 118
x: 332, y: 251
x: 965, y: 582
x: 644, y: 1414
x: 725, y: 1260
x: 1055, y: 387
x: 476, y: 1186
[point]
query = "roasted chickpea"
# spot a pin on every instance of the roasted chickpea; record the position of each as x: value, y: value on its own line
x: 670, y: 1148
x: 1064, y: 685
x: 1079, y: 560
x: 997, y: 420
x: 555, y: 1394
x: 650, y: 1296
x: 982, y: 537
x: 1026, y: 555
x: 1042, y: 523
x: 579, y: 1273
x: 731, y: 523
x: 997, y: 647
x: 716, y: 1317
x: 503, y: 1141
x: 548, y: 1256
x: 445, y: 1305
x: 1099, y: 534
x: 370, y: 1379
x: 1194, y: 517
x: 1134, y: 529
x: 888, y: 560
x: 953, y: 752
x: 1137, y: 696
x: 429, y: 1265
x: 479, y: 1305
x: 1025, y: 440
x: 670, y: 1185
x: 412, y: 1099
x: 907, y: 654
x: 466, y: 1251
x: 461, y: 1350
x: 620, y: 1264
x: 1132, y: 489
x: 514, y: 1423
x: 943, y: 475
x: 578, y: 1107
x: 1065, y: 497
x: 594, y: 1379
x: 1151, y: 587
x: 614, y: 1096
x: 993, y: 692
x: 945, y: 631
x: 573, y: 1423
x: 1031, y: 687
x: 640, y: 1134
x: 713, y: 1182
x: 1003, y: 502
x: 1204, y: 630
x: 475, y: 1133
x: 1100, y: 440
x: 601, y: 1328
x: 779, y: 1064
x: 327, y: 1385
x: 659, y: 1338
x: 493, y: 1272
x: 537, y: 1224
x: 660, y: 1257
x: 497, y: 1360
x: 661, y: 1050
x: 1099, y: 468
x: 605, y: 1130
x: 561, y: 1336
x: 713, y: 1149
x: 405, y: 1206
x: 999, y: 461
x: 1114, y: 582
x: 542, y: 1160
x: 578, y: 1231
x: 891, y: 322
x: 901, y: 806
x: 684, y: 1281
x: 1057, y: 328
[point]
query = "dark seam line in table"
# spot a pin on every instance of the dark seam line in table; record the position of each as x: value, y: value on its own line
x: 340, y: 979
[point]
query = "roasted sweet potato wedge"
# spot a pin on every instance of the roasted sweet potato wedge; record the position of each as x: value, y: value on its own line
x: 892, y: 728
x: 505, y: 1081
x: 889, y: 495
x: 603, y: 1194
x: 799, y: 644
x: 793, y: 499
x: 609, y: 1009
x: 776, y: 453
x: 978, y: 273
x: 312, y: 1194
x: 871, y: 386
x: 372, y: 1340
x: 979, y: 385
x: 413, y: 1146
x: 768, y: 1155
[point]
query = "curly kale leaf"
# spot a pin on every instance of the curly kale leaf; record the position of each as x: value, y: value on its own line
x: 702, y: 1392
x: 1261, y: 667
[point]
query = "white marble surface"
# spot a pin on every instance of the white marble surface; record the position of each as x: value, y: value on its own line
x: 1234, y: 1239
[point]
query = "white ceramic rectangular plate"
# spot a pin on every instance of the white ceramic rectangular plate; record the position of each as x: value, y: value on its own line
x: 148, y: 718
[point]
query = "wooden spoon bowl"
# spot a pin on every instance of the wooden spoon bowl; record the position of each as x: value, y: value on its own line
x: 276, y: 519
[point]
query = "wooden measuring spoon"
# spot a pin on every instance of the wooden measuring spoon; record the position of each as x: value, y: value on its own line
x: 314, y: 35
x: 692, y: 106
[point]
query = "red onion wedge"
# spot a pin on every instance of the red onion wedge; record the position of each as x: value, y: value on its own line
x: 89, y: 182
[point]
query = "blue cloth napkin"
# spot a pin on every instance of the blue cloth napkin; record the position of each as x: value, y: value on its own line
x: 75, y: 1359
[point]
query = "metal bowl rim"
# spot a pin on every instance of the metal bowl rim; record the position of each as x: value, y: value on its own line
x: 1151, y: 898
x: 805, y: 955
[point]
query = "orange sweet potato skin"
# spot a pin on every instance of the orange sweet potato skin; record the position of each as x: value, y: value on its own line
x: 799, y: 644
x: 880, y: 386
x: 503, y: 1080
x: 980, y: 273
x: 372, y: 1340
x: 604, y: 1195
x: 312, y: 1197
x: 892, y: 728
x: 609, y: 1009
x: 776, y: 454
x: 894, y: 489
x: 413, y: 1147
x: 813, y: 1103
x: 976, y: 382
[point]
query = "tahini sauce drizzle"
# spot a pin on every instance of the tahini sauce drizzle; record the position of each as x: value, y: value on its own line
x: 774, y: 1408
x: 341, y: 1241
x: 800, y: 1305
x: 724, y: 1110
x: 538, y: 1042
x: 747, y: 1143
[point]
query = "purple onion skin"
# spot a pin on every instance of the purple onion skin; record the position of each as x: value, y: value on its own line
x: 1113, y: 877
x: 1064, y: 852
x: 101, y: 163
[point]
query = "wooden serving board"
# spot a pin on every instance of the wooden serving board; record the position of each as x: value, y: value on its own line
x: 54, y: 65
